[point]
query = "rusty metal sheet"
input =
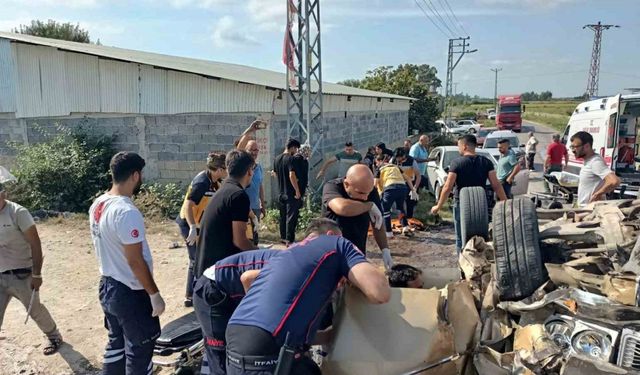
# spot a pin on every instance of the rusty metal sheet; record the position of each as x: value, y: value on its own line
x: 391, y: 338
x: 621, y: 288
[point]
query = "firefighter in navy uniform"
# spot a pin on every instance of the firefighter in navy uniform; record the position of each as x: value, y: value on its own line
x: 216, y: 295
x: 199, y: 193
x: 289, y: 297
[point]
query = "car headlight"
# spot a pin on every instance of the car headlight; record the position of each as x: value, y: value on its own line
x: 596, y: 345
x: 560, y: 332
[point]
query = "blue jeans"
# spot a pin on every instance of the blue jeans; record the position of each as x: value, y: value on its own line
x: 191, y: 249
x: 456, y: 225
x: 507, y: 189
x: 394, y: 194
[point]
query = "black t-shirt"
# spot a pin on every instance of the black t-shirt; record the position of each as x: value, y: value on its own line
x: 354, y: 228
x: 282, y: 166
x: 230, y: 203
x: 471, y: 171
x: 300, y: 166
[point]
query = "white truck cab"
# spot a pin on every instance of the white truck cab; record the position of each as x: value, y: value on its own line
x: 613, y: 122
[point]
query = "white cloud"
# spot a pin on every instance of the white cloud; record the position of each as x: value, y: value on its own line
x: 10, y: 24
x: 267, y: 15
x: 528, y: 3
x: 204, y: 4
x: 226, y: 33
x: 500, y: 62
x: 58, y: 3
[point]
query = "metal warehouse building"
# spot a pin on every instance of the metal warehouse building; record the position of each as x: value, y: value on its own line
x: 171, y: 110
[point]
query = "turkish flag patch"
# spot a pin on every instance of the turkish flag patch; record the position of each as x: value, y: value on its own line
x: 135, y: 233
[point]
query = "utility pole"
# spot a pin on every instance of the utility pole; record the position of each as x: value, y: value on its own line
x: 457, y: 46
x: 495, y: 90
x: 594, y: 71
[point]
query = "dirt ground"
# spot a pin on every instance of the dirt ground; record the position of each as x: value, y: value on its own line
x: 70, y: 292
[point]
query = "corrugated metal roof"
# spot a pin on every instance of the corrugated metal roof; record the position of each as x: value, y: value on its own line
x: 228, y: 71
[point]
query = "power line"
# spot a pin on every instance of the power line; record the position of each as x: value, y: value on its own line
x: 621, y: 74
x: 449, y: 16
x: 525, y: 76
x: 456, y: 18
x: 430, y: 19
x: 434, y: 11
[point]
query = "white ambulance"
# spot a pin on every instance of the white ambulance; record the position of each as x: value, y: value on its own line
x: 613, y: 122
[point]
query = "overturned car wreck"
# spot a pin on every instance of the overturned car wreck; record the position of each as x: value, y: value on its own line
x: 542, y: 292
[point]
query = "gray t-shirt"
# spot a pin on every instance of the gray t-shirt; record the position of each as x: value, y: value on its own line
x: 592, y: 174
x: 15, y: 251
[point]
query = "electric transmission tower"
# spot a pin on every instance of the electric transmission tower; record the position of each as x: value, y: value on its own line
x: 457, y: 46
x: 594, y: 71
x: 304, y: 77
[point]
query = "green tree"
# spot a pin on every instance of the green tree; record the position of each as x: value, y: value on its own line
x: 415, y: 81
x: 55, y: 30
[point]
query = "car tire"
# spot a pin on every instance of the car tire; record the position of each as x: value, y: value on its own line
x: 519, y: 267
x: 474, y: 213
x: 555, y: 205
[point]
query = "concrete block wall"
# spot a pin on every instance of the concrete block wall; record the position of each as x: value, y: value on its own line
x: 11, y: 131
x: 175, y: 146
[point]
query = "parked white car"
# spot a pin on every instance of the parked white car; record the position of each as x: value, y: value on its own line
x: 471, y: 126
x: 448, y: 127
x: 459, y: 128
x: 438, y: 168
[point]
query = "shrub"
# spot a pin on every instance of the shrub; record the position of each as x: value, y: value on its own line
x: 158, y: 201
x: 272, y: 218
x: 63, y: 173
x: 438, y: 140
x: 467, y: 115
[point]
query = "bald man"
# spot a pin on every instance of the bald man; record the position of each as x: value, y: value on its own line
x: 255, y: 191
x: 420, y: 152
x: 353, y: 203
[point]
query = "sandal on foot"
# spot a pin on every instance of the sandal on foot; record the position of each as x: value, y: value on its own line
x: 53, y: 346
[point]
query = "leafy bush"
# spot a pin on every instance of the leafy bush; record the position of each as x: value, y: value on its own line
x: 159, y: 201
x: 467, y: 115
x: 272, y: 218
x: 63, y: 173
x: 438, y: 140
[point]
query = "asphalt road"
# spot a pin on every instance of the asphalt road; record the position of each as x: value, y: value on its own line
x: 544, y: 135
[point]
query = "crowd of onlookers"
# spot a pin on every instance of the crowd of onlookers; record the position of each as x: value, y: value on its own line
x: 251, y: 302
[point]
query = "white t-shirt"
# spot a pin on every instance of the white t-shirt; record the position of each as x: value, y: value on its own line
x: 531, y: 145
x: 115, y: 221
x: 592, y: 175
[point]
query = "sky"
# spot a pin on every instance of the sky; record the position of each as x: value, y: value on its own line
x: 539, y: 44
